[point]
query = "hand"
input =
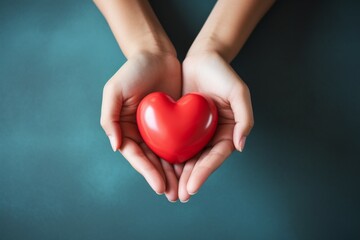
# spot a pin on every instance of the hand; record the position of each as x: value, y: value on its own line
x: 206, y: 71
x: 210, y: 74
x: 140, y: 75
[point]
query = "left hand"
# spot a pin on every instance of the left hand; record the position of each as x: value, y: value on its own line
x: 142, y: 74
x: 210, y: 74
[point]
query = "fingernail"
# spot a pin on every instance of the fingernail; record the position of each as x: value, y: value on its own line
x: 185, y: 201
x: 172, y: 201
x: 159, y: 193
x: 112, y: 142
x: 193, y: 193
x: 242, y: 143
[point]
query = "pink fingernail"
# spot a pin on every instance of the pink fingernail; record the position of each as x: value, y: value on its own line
x: 242, y: 143
x: 193, y: 193
x: 185, y: 201
x: 112, y: 142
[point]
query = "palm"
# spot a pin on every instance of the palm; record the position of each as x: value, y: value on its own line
x: 211, y: 77
x: 143, y: 77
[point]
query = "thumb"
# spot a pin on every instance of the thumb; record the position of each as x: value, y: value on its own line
x: 110, y: 114
x: 240, y: 101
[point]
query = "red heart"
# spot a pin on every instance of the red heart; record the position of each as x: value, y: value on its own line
x: 176, y: 131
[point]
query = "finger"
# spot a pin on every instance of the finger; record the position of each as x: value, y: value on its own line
x: 110, y: 114
x: 136, y: 157
x: 178, y: 169
x: 171, y: 181
x: 155, y: 160
x: 240, y: 102
x: 207, y: 164
x: 184, y: 196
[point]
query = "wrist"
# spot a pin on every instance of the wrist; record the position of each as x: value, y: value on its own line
x: 135, y: 27
x: 151, y: 44
x: 209, y: 46
x: 196, y: 61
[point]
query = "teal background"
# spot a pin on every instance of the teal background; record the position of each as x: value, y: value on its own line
x: 297, y: 179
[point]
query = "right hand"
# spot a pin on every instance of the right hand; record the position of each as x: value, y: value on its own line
x: 140, y: 75
x: 208, y: 73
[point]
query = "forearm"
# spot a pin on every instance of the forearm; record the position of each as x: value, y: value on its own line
x: 135, y: 26
x: 228, y: 26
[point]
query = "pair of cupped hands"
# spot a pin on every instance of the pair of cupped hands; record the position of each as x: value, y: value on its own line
x: 147, y: 72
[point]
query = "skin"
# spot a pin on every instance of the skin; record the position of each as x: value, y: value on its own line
x: 152, y: 64
x: 206, y: 69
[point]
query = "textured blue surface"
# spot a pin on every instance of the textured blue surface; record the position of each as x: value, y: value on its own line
x: 297, y: 179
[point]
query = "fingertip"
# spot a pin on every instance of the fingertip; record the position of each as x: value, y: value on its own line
x: 110, y: 114
x: 156, y: 183
x: 242, y: 143
x: 133, y: 152
x: 239, y: 137
x: 236, y: 137
x: 171, y: 197
x: 183, y: 194
x: 185, y: 201
x: 171, y: 191
x: 113, y: 143
x: 113, y: 132
x: 158, y: 189
x: 202, y: 172
x: 192, y: 187
x: 118, y: 137
x: 243, y: 114
x: 193, y: 193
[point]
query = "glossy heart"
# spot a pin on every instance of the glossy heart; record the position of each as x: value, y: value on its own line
x: 176, y: 131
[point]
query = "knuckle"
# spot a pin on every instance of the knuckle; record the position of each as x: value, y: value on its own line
x: 246, y: 125
x: 109, y: 86
x: 245, y: 89
x: 249, y: 121
x: 251, y: 124
x: 103, y: 122
x: 240, y: 90
x: 106, y: 87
